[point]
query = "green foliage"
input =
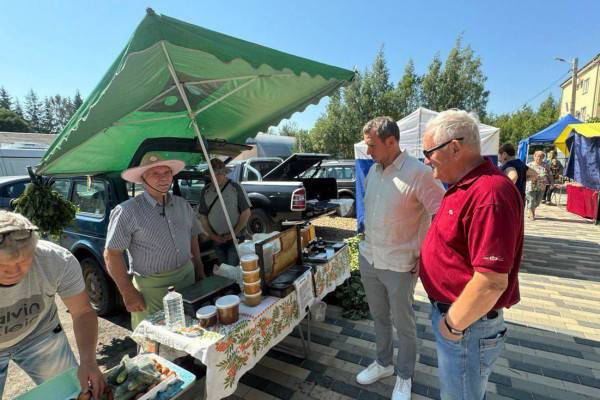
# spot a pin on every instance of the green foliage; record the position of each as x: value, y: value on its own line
x: 526, y: 121
x: 593, y: 120
x: 457, y: 83
x: 351, y: 294
x: 49, y: 115
x: 44, y: 207
x: 11, y: 122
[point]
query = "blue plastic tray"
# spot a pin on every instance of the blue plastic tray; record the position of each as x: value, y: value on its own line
x: 66, y: 385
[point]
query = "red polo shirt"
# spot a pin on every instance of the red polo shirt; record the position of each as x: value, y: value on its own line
x: 478, y: 227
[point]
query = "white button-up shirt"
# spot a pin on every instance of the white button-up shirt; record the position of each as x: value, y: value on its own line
x: 399, y: 203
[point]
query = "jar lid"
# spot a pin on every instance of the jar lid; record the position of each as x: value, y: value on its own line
x: 249, y: 257
x: 250, y: 272
x: 252, y: 283
x: 253, y: 295
x: 227, y: 301
x: 206, y: 312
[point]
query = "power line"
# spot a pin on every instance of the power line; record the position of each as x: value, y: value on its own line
x: 563, y: 76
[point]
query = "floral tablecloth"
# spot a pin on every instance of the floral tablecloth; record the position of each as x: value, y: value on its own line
x: 331, y: 274
x: 228, y: 351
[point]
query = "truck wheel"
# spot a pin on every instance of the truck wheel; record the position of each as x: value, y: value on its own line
x: 352, y: 211
x: 260, y: 222
x: 99, y: 289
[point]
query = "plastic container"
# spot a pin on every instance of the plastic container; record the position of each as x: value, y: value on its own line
x: 252, y: 288
x: 251, y: 276
x: 318, y: 311
x: 252, y: 300
x: 174, y: 314
x: 249, y: 262
x: 207, y: 316
x: 228, y: 309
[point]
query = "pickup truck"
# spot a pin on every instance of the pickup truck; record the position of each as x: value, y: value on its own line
x: 274, y: 187
x: 96, y: 197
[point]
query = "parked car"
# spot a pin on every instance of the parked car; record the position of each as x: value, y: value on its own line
x: 343, y: 171
x: 11, y: 187
x: 16, y: 157
x: 86, y: 236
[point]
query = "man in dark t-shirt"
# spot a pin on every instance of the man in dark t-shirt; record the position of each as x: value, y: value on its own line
x: 513, y: 167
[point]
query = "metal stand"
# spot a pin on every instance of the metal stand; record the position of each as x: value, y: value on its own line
x: 305, y: 341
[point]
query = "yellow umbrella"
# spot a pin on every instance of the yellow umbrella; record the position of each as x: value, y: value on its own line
x: 587, y: 130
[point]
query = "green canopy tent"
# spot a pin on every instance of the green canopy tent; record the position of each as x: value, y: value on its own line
x: 174, y: 79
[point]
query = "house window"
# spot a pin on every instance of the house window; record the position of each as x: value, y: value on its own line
x: 585, y: 86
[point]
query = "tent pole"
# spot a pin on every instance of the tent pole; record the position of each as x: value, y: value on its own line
x: 202, y: 145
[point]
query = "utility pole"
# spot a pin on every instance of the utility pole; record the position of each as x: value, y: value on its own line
x: 573, y: 63
x: 574, y: 85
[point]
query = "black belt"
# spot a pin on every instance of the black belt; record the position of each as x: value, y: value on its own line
x: 444, y: 307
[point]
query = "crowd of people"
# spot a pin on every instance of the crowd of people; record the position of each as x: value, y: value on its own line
x: 456, y: 221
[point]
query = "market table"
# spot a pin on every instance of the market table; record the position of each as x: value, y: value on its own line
x: 582, y: 201
x: 229, y: 351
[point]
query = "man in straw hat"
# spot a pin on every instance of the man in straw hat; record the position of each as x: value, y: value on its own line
x: 159, y: 232
x: 32, y: 273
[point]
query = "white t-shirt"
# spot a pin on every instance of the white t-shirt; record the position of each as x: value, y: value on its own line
x: 28, y: 309
x: 399, y: 202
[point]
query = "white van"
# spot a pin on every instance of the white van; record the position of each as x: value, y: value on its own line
x: 16, y: 157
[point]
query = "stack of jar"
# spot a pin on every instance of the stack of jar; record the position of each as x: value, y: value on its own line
x: 251, y: 272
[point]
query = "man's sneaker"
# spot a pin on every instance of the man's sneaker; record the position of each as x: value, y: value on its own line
x: 373, y: 373
x: 402, y: 389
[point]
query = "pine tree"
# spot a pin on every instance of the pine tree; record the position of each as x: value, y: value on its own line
x: 406, y: 94
x: 11, y: 122
x: 430, y: 95
x: 5, y: 100
x: 48, y: 122
x: 18, y: 110
x: 77, y: 101
x: 33, y: 113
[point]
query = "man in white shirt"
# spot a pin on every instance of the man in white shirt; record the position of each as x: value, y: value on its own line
x: 401, y: 196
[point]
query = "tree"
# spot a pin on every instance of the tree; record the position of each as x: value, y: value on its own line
x: 430, y: 85
x: 5, y: 100
x: 10, y: 121
x: 377, y: 89
x: 18, y: 110
x: 406, y: 95
x: 33, y: 111
x: 77, y: 102
x: 48, y: 123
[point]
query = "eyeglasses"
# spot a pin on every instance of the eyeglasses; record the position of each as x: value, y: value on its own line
x: 22, y: 234
x: 428, y: 153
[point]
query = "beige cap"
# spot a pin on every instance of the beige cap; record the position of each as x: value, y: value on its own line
x: 11, y: 222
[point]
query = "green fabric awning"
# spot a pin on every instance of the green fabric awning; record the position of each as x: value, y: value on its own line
x: 235, y: 89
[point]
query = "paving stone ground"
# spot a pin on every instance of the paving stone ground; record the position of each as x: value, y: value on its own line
x: 552, y: 351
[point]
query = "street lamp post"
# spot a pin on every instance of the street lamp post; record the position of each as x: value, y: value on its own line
x: 573, y: 63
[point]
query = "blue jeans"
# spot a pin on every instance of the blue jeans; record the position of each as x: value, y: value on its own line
x: 464, y: 366
x: 227, y: 254
x: 41, y: 358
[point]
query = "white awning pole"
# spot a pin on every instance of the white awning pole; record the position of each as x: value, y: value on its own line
x: 204, y: 150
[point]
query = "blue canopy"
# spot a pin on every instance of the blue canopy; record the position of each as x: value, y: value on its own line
x: 546, y: 135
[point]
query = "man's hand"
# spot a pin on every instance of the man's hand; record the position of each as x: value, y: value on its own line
x: 134, y: 301
x: 415, y: 270
x: 90, y: 376
x: 217, y: 239
x: 446, y: 333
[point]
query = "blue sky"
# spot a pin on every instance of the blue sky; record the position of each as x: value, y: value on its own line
x: 60, y: 46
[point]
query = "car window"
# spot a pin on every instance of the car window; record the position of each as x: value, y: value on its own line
x: 134, y: 189
x: 61, y: 186
x: 348, y: 173
x: 264, y: 166
x: 14, y: 190
x: 90, y: 199
x: 190, y: 189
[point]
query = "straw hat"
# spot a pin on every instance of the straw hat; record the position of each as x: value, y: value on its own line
x: 151, y: 160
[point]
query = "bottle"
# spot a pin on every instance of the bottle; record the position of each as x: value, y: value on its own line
x: 174, y: 315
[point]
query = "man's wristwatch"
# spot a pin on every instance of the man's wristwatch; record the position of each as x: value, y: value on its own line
x: 453, y: 330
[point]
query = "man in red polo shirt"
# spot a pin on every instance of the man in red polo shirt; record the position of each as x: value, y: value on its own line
x: 470, y: 256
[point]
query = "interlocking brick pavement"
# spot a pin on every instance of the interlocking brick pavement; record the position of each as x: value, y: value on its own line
x: 553, y: 344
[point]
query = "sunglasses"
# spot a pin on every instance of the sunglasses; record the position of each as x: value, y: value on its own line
x: 428, y: 153
x: 19, y: 235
